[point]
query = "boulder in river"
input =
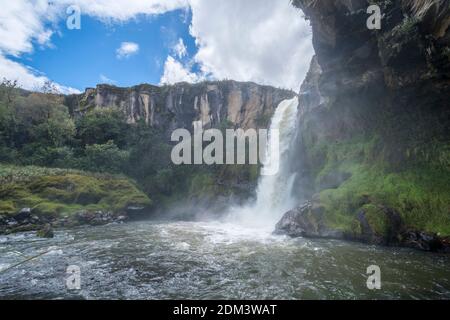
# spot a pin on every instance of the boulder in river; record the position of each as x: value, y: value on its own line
x: 23, y: 214
x: 306, y: 221
x: 378, y: 225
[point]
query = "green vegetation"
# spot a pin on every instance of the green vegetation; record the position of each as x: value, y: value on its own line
x: 418, y: 191
x: 57, y: 163
x: 54, y: 192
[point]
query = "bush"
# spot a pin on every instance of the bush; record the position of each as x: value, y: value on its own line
x: 102, y: 125
x: 105, y: 158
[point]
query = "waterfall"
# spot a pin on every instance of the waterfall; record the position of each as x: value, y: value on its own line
x: 274, y: 193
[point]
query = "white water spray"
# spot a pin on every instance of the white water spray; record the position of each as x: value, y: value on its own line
x: 274, y: 193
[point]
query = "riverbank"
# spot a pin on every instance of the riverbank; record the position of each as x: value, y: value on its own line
x: 33, y: 197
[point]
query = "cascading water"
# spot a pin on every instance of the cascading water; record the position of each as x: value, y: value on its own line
x: 274, y: 192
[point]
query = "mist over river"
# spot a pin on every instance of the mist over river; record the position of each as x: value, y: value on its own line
x: 211, y: 260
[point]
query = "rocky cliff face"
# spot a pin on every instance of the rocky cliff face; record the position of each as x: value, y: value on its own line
x: 402, y: 68
x: 374, y: 129
x: 245, y: 105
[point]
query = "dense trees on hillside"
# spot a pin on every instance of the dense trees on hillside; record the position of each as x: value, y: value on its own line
x: 36, y: 128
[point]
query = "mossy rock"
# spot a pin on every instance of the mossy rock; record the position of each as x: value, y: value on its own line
x: 70, y: 188
x: 420, y: 195
x: 63, y: 194
x: 377, y: 219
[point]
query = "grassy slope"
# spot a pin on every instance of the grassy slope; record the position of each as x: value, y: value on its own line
x: 420, y: 192
x: 59, y: 192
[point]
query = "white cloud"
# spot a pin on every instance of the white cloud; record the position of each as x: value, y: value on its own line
x: 26, y: 22
x: 28, y: 78
x: 125, y: 9
x: 175, y: 71
x: 266, y: 41
x: 21, y: 23
x: 127, y: 49
x: 180, y: 49
x: 105, y: 79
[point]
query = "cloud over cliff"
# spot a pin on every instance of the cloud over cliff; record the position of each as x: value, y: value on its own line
x: 264, y: 41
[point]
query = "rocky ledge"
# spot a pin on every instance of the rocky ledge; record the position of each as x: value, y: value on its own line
x: 26, y: 220
x: 378, y: 225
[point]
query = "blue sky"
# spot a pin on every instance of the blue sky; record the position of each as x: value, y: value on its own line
x: 82, y: 58
x: 162, y: 41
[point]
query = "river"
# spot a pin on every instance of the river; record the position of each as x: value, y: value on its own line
x: 211, y: 260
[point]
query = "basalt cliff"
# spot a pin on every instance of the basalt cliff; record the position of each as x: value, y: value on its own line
x: 374, y: 130
x: 243, y: 105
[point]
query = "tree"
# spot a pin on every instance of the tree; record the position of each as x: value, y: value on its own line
x: 102, y: 125
x: 8, y: 91
x: 42, y: 119
x: 105, y: 158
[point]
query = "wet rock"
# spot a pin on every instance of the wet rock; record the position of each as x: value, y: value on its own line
x: 84, y: 217
x: 35, y: 219
x: 45, y: 232
x: 306, y: 221
x: 387, y: 229
x: 293, y: 222
x: 12, y: 222
x: 378, y: 225
x: 425, y: 241
x: 121, y: 218
x: 102, y: 218
x: 3, y: 220
x: 135, y: 208
x: 23, y: 214
x: 133, y: 211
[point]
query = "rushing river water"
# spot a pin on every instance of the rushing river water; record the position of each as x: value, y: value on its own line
x: 211, y: 260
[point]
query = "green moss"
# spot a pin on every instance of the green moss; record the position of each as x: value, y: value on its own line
x: 121, y: 194
x: 67, y: 193
x: 49, y: 208
x: 7, y: 207
x: 254, y: 173
x: 355, y: 228
x: 420, y: 196
x: 69, y: 188
x: 202, y: 184
x: 419, y: 188
x: 377, y: 219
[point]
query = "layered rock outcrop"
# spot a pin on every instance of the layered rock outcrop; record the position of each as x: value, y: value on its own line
x: 244, y: 105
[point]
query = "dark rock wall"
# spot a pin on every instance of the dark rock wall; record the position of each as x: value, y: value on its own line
x: 394, y: 82
x: 373, y: 142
